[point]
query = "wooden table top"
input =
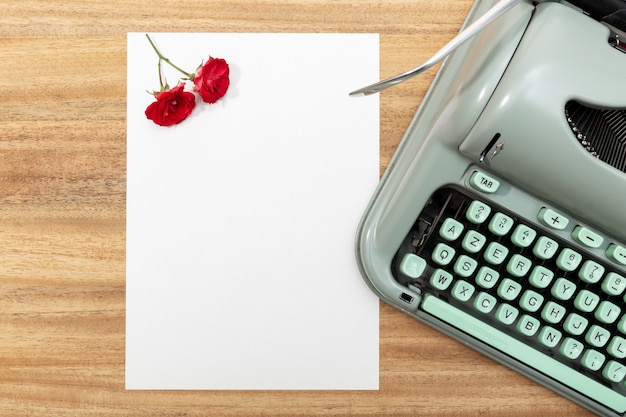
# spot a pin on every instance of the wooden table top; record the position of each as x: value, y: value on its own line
x: 62, y: 215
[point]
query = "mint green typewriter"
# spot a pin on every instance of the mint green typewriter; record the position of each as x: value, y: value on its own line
x: 501, y: 219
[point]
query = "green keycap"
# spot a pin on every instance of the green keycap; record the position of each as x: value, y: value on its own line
x: 597, y: 336
x: 607, y: 312
x: 527, y: 325
x: 518, y: 265
x: 527, y: 354
x: 587, y: 237
x: 617, y: 347
x: 614, y: 371
x: 462, y: 290
x: 495, y: 253
x: 465, y: 266
x: 484, y: 302
x: 617, y: 253
x: 540, y: 277
x: 592, y: 359
x: 477, y: 212
x: 443, y: 254
x: 506, y: 314
x: 563, y: 289
x: 450, y: 229
x: 549, y: 337
x: 553, y: 312
x: 473, y: 241
x: 440, y: 279
x: 412, y: 265
x: 553, y: 219
x: 523, y: 236
x: 545, y: 248
x: 531, y: 301
x: 591, y: 272
x: 483, y: 182
x: 487, y: 277
x: 500, y: 224
x: 586, y: 301
x: 575, y: 324
x: 509, y: 289
x: 568, y: 260
x: 571, y: 348
x: 613, y: 284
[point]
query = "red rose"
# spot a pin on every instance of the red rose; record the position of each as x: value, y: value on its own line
x: 212, y: 80
x: 171, y: 106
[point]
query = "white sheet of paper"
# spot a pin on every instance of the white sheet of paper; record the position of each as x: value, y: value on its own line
x: 241, y: 219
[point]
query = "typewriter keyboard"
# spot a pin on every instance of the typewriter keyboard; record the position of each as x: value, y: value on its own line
x: 529, y: 293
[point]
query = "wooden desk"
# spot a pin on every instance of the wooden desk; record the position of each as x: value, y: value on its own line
x: 62, y: 215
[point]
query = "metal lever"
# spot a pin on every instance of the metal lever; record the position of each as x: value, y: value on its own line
x: 492, y: 14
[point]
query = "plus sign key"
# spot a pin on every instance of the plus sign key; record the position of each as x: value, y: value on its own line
x: 552, y: 219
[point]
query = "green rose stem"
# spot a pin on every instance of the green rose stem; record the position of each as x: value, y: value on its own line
x: 170, y: 63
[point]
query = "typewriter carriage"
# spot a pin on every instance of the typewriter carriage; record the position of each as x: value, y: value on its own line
x: 564, y: 56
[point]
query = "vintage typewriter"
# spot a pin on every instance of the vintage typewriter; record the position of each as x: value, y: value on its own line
x: 501, y: 219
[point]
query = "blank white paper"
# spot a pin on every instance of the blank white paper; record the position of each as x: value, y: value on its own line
x: 241, y: 220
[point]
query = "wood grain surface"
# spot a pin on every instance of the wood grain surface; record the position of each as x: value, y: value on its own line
x: 62, y: 215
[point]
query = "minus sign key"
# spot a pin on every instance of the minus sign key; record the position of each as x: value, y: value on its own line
x: 587, y: 237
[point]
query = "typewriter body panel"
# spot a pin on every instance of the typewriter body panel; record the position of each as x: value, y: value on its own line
x: 497, y: 107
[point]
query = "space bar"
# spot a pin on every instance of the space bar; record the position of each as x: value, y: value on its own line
x: 524, y: 353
